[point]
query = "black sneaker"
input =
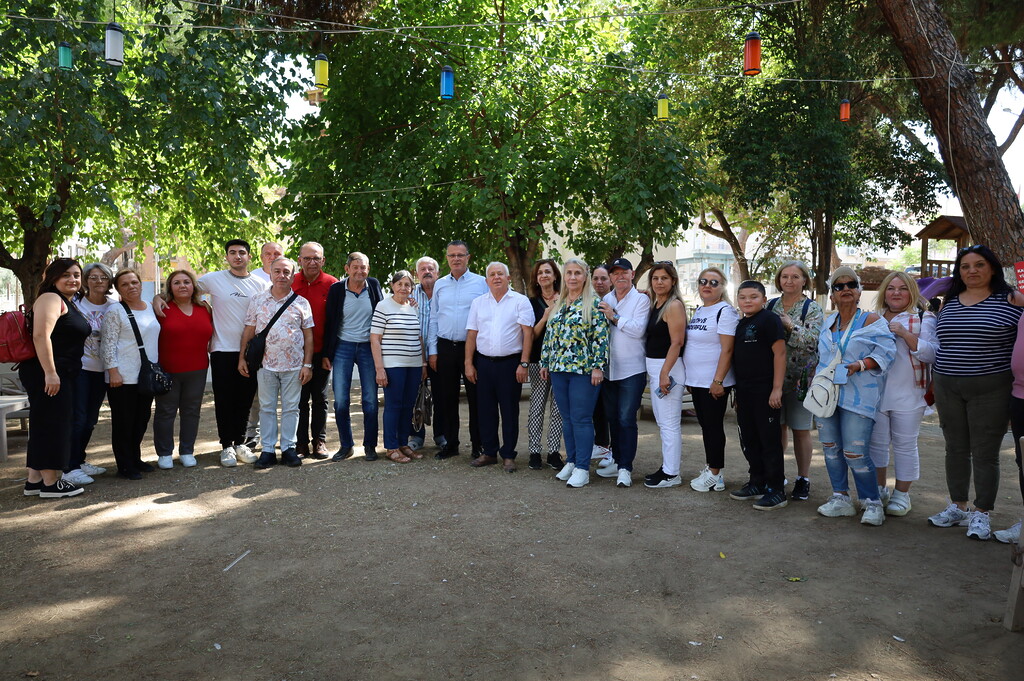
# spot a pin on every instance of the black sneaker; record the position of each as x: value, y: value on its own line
x: 144, y: 467
x: 656, y: 475
x: 662, y: 479
x: 771, y: 500
x: 555, y: 461
x: 447, y: 452
x: 749, y: 492
x: 59, y: 489
x: 32, y: 488
x: 536, y: 463
x: 801, y: 489
x: 342, y: 454
x: 290, y: 458
x: 266, y: 460
x: 371, y: 453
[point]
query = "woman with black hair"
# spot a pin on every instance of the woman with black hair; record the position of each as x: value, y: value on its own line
x: 58, y: 332
x: 971, y: 376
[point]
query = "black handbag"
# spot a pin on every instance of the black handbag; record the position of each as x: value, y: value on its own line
x: 153, y: 380
x: 257, y: 345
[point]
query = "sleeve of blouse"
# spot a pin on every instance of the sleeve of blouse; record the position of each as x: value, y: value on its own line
x: 884, y: 350
x: 927, y: 342
x: 110, y: 333
x: 600, y: 327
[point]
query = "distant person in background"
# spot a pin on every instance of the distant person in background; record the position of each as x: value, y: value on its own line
x: 91, y: 386
x: 270, y: 252
x: 545, y: 284
x: 59, y: 332
x: 185, y: 332
x: 427, y: 271
x: 1011, y: 535
x: 602, y: 283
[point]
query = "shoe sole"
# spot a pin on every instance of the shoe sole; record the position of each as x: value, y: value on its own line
x: 781, y: 504
x: 897, y: 513
x: 664, y: 484
x: 979, y: 538
x: 961, y: 523
x: 622, y: 484
x: 712, y: 488
x: 752, y: 497
x: 60, y: 495
x: 864, y: 521
x: 31, y: 492
x: 228, y: 464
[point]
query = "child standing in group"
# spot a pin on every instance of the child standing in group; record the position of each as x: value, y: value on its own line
x: 759, y: 360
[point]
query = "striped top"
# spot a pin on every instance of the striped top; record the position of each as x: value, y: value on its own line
x: 399, y: 328
x: 975, y: 340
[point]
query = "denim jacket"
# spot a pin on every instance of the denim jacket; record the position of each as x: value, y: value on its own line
x: 863, y: 389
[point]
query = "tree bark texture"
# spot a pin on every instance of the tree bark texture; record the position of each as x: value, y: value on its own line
x: 968, y: 147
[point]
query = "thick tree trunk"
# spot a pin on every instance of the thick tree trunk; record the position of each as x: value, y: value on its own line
x: 726, y: 232
x: 968, y: 148
x: 520, y: 252
x: 36, y: 244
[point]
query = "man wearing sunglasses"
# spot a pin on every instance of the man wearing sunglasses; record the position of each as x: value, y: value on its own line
x: 627, y: 310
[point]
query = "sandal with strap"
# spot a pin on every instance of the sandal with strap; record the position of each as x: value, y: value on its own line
x: 397, y: 456
x: 410, y: 452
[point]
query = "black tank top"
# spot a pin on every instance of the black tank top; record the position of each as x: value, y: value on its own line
x: 658, y: 338
x: 68, y: 338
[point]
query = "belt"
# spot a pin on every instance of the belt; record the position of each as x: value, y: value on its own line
x: 451, y: 342
x: 506, y: 358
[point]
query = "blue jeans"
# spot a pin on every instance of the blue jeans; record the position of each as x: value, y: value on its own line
x: 576, y: 397
x: 399, y: 400
x: 347, y: 355
x: 621, y: 403
x: 845, y: 437
x: 271, y: 385
x: 90, y: 390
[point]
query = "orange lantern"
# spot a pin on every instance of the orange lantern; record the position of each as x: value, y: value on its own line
x: 752, y: 54
x: 844, y: 111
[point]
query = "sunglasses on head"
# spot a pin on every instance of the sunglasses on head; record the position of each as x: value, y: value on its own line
x: 713, y: 283
x: 852, y: 285
x: 970, y: 249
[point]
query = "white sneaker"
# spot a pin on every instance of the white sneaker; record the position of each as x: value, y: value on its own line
x: 608, y: 459
x: 978, y: 526
x: 884, y: 495
x: 165, y: 462
x: 625, y: 478
x: 1010, y: 535
x: 609, y: 471
x: 598, y: 452
x: 837, y: 506
x: 89, y: 469
x: 952, y: 516
x: 227, y: 457
x: 899, y: 503
x: 566, y: 471
x: 707, y: 481
x: 77, y: 477
x: 187, y: 460
x: 873, y: 513
x: 579, y: 478
x: 245, y: 455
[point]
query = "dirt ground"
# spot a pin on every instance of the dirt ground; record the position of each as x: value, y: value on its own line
x: 434, y: 570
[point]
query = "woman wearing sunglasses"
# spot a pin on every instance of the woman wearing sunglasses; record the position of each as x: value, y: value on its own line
x: 707, y: 364
x: 866, y: 347
x: 972, y: 381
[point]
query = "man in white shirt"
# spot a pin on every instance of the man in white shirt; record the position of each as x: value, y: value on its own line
x: 427, y: 271
x: 270, y: 252
x: 230, y: 291
x: 499, y: 334
x: 287, y: 362
x: 626, y: 310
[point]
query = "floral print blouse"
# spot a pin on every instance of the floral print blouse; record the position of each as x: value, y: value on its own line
x: 571, y: 345
x: 801, y: 344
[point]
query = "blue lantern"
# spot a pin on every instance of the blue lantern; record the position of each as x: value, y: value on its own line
x: 447, y: 82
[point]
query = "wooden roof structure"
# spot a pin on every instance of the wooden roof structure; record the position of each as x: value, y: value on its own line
x: 944, y: 227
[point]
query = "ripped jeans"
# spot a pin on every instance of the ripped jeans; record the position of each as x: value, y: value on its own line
x: 845, y: 437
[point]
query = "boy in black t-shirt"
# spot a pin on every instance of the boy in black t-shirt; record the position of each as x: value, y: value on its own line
x: 759, y: 360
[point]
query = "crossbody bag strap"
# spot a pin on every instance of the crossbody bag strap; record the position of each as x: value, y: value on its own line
x: 844, y: 342
x: 277, y: 315
x: 135, y: 329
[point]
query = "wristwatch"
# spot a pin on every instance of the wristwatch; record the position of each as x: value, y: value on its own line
x: 525, y: 365
x: 307, y: 366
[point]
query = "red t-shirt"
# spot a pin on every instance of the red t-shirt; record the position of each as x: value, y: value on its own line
x: 184, y: 339
x: 316, y: 294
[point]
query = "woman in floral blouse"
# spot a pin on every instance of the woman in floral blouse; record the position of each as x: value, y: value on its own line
x: 801, y: 318
x: 573, y: 358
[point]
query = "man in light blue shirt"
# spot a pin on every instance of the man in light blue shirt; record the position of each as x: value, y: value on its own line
x: 427, y: 271
x: 446, y: 345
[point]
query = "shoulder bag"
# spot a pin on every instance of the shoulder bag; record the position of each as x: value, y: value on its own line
x: 153, y: 380
x: 257, y: 345
x: 823, y: 393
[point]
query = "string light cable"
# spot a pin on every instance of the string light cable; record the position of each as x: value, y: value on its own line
x: 392, y: 189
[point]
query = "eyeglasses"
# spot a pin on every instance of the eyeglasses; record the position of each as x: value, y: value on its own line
x: 457, y: 255
x: 713, y: 283
x: 970, y: 249
x: 852, y: 285
x: 95, y: 278
x: 308, y: 258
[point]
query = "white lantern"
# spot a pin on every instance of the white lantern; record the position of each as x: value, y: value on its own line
x: 114, y: 45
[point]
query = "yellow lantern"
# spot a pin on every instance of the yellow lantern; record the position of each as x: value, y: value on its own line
x: 320, y: 71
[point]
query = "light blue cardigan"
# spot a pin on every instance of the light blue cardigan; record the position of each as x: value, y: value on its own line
x: 863, y: 389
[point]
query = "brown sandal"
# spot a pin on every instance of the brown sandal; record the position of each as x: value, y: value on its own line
x: 397, y: 456
x: 410, y: 452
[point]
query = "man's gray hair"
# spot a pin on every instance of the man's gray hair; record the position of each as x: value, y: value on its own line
x: 289, y: 261
x: 427, y: 258
x: 493, y: 263
x: 312, y: 244
x: 356, y: 255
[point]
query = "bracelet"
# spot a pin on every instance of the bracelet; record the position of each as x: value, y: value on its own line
x: 717, y: 382
x: 863, y: 366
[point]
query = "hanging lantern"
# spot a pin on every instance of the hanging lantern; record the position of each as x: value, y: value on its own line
x: 752, y: 54
x: 662, y: 107
x: 113, y: 52
x: 844, y: 111
x: 447, y: 82
x: 64, y: 55
x: 320, y: 71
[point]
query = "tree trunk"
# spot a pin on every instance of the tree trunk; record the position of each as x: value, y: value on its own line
x: 969, y: 150
x: 520, y: 251
x: 822, y: 241
x: 35, y: 255
x: 727, y: 233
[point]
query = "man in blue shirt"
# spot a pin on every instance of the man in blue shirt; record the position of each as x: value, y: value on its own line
x: 446, y: 345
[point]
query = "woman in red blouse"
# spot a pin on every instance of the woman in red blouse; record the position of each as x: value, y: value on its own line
x: 185, y: 333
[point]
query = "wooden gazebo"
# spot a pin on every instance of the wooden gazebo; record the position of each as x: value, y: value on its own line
x: 944, y: 227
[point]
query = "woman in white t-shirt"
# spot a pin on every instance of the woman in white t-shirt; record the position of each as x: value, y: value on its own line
x: 707, y: 362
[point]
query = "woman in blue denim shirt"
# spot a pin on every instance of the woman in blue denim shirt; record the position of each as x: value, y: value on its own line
x: 845, y: 436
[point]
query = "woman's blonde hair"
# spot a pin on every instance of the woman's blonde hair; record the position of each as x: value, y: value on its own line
x: 724, y: 281
x: 916, y: 299
x: 587, y: 299
x: 799, y: 264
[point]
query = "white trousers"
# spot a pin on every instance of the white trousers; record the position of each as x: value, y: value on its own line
x: 668, y: 412
x: 898, y: 430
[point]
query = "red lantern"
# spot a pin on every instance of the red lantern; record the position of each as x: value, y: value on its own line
x: 844, y: 111
x: 752, y: 54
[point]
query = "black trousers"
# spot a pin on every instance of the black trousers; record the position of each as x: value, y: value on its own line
x: 451, y: 371
x: 711, y: 417
x: 760, y: 436
x: 233, y: 394
x: 1017, y: 426
x: 497, y: 390
x: 129, y: 420
x: 602, y: 434
x: 49, y: 418
x: 316, y: 389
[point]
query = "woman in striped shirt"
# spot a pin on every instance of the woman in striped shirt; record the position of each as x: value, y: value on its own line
x: 397, y: 349
x: 971, y: 377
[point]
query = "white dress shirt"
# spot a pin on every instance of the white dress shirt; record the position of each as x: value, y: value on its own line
x: 498, y: 323
x: 626, y: 354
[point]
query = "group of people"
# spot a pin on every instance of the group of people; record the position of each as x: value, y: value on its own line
x: 587, y: 340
